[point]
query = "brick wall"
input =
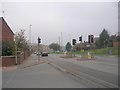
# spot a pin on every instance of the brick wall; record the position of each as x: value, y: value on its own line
x: 116, y: 44
x: 11, y: 60
x: 0, y: 29
x: 0, y: 61
x: 6, y: 33
x: 8, y: 60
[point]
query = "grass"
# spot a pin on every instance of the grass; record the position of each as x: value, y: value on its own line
x: 56, y: 53
x: 103, y: 51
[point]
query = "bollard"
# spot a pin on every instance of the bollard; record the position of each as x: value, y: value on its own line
x: 89, y: 55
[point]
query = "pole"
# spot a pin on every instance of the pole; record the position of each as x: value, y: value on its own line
x: 30, y: 33
x: 16, y: 61
x: 38, y: 52
x: 61, y: 41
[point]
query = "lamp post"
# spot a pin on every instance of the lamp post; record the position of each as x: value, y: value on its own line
x: 30, y: 33
x: 30, y: 37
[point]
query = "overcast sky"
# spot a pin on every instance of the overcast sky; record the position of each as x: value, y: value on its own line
x: 72, y: 19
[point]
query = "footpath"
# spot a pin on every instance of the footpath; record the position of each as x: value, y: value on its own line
x: 30, y: 61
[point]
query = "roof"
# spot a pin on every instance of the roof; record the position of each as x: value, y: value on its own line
x: 3, y: 20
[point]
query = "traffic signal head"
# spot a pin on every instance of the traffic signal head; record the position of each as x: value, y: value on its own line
x: 74, y: 41
x: 39, y: 40
x: 80, y: 38
x: 92, y: 39
x: 89, y: 40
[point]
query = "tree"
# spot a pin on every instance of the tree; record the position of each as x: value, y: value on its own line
x: 78, y: 46
x: 112, y: 39
x: 104, y: 39
x: 6, y: 48
x: 20, y: 41
x: 68, y: 46
x: 0, y: 48
x: 54, y: 46
x: 118, y: 37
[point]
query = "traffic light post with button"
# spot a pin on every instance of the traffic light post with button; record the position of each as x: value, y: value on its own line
x: 39, y: 41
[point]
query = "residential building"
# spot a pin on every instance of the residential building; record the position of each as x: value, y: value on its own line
x: 6, y: 34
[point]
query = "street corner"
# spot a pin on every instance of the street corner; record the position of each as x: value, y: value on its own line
x: 9, y: 68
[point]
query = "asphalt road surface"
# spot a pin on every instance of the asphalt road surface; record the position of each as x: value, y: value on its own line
x: 99, y: 77
x: 39, y: 76
x: 58, y: 72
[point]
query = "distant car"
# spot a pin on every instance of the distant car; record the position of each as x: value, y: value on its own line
x: 44, y: 53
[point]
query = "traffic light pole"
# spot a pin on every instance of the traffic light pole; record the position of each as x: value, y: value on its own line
x: 74, y: 42
x: 38, y: 51
x: 39, y: 41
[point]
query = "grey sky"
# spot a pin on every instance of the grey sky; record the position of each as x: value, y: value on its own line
x: 73, y: 19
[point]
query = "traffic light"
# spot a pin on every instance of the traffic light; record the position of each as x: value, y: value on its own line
x: 39, y: 40
x: 80, y: 38
x: 90, y: 38
x: 74, y: 41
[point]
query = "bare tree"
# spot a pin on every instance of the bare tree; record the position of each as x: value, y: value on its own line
x: 21, y: 41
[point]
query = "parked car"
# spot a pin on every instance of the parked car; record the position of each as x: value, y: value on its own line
x: 44, y: 53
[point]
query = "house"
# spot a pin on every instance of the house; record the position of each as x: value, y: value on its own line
x: 6, y: 34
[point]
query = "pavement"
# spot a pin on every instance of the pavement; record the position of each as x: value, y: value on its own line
x: 30, y: 61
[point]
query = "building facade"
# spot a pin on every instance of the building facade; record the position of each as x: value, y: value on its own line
x: 6, y: 34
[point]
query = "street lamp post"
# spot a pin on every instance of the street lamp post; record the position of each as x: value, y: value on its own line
x: 30, y: 33
x: 30, y: 37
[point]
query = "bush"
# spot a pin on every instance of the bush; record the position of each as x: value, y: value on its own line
x: 6, y: 49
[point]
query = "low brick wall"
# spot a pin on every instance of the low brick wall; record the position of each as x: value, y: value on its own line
x: 116, y: 44
x: 11, y: 60
x: 0, y: 61
x: 8, y: 60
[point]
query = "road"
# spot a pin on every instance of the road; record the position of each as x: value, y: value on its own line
x: 58, y: 72
x: 103, y: 72
x: 39, y: 76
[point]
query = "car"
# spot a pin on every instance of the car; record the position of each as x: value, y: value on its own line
x: 44, y: 53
